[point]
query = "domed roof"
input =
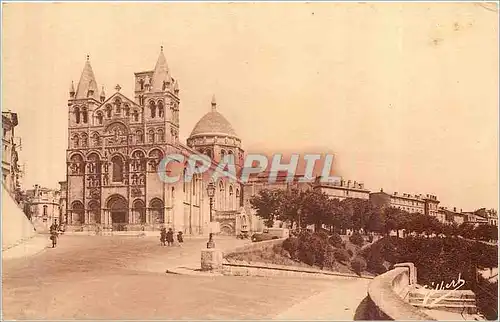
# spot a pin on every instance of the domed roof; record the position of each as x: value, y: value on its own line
x: 213, y: 123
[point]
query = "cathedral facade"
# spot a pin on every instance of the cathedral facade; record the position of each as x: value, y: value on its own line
x: 115, y: 145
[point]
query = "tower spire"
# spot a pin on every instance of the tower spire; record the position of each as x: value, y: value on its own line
x: 87, y: 86
x: 103, y: 95
x: 214, y: 103
x: 160, y: 74
x: 72, y: 90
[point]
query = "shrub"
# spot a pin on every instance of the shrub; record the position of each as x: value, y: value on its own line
x: 341, y: 255
x: 322, y: 234
x: 329, y: 258
x: 291, y: 245
x: 358, y: 264
x: 350, y: 252
x: 375, y: 261
x: 335, y: 240
x: 307, y: 256
x: 356, y: 239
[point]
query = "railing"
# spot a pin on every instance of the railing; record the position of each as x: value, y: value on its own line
x: 386, y: 294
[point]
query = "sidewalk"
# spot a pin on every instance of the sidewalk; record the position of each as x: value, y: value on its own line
x: 29, y: 247
x: 339, y: 303
x: 187, y: 258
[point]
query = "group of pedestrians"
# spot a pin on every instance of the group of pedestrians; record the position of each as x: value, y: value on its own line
x: 167, y: 237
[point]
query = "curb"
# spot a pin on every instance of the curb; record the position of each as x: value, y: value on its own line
x: 190, y: 272
x: 37, y: 244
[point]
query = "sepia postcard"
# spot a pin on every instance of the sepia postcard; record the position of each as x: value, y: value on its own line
x: 332, y: 161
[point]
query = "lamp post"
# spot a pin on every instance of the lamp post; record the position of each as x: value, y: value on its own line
x: 211, y: 193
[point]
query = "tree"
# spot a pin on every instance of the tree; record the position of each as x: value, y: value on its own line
x: 485, y: 232
x: 316, y: 208
x: 291, y: 203
x: 267, y: 205
x: 391, y: 217
x: 375, y: 222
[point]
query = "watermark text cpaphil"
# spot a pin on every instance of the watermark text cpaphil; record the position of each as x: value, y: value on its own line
x: 176, y: 167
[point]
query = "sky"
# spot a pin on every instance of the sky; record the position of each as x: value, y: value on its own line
x: 404, y: 94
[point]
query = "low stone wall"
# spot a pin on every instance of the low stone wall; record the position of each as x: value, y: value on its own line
x: 241, y: 268
x: 388, y: 293
x: 256, y: 246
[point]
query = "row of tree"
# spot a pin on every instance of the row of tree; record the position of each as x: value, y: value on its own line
x: 311, y: 207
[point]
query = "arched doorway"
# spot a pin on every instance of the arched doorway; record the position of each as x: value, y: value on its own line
x: 226, y: 230
x: 118, y: 208
x: 94, y: 212
x: 78, y: 213
x: 139, y: 212
x: 156, y: 209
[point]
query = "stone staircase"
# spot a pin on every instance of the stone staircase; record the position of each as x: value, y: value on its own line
x: 459, y: 301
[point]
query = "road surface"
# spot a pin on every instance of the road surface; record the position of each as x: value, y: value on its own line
x: 91, y: 277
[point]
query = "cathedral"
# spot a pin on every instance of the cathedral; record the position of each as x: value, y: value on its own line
x: 115, y: 145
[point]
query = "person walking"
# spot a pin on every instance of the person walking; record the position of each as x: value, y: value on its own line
x: 53, y: 234
x: 180, y: 239
x: 163, y: 236
x: 170, y: 237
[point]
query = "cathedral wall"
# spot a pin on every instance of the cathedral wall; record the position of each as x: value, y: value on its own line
x: 109, y: 191
x: 75, y: 189
x: 154, y: 187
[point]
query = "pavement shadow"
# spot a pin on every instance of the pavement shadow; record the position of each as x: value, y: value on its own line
x: 361, y: 313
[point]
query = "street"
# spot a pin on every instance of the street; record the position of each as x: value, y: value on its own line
x: 94, y: 277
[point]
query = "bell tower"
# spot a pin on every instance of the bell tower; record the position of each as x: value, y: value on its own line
x: 157, y: 92
x: 82, y: 103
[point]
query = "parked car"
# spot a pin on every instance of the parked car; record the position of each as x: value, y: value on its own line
x: 271, y: 233
x: 258, y: 237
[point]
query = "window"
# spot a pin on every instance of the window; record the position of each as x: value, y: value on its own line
x: 45, y: 210
x: 127, y: 110
x: 108, y: 111
x: 151, y: 136
x: 160, y: 109
x: 85, y: 115
x: 136, y: 116
x: 221, y: 196
x: 77, y: 115
x: 161, y: 135
x: 152, y: 107
x: 99, y: 118
x: 118, y: 106
x: 231, y: 197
